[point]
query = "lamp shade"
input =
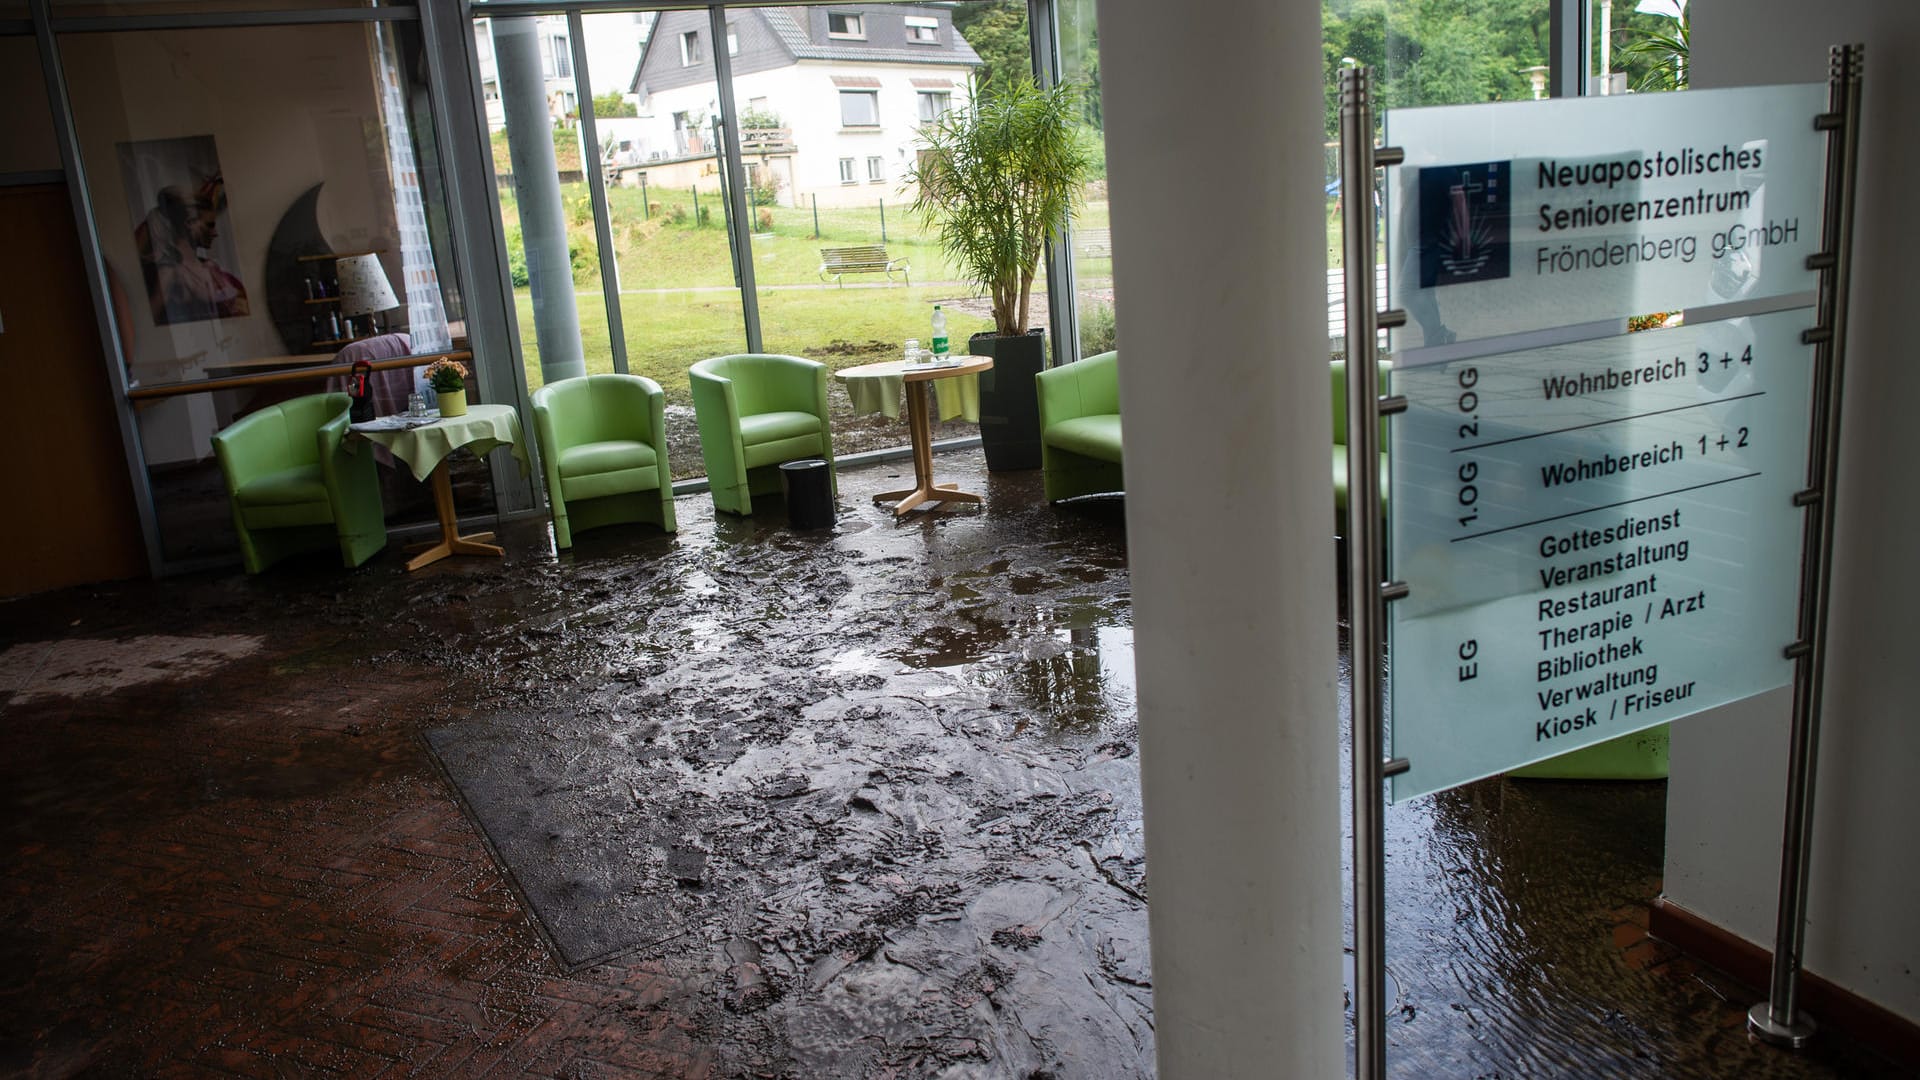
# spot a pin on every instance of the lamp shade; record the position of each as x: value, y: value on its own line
x: 364, y: 288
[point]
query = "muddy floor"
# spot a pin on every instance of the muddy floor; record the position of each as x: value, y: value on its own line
x: 861, y: 802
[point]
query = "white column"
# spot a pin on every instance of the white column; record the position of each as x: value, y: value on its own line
x: 536, y: 188
x: 1214, y: 133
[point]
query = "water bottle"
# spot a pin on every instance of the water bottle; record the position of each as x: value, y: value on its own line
x: 939, y: 333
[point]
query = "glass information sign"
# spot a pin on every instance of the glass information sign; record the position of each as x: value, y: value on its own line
x: 1596, y: 528
x: 1509, y: 218
x: 1598, y: 537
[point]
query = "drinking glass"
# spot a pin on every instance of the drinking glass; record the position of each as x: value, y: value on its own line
x: 416, y: 404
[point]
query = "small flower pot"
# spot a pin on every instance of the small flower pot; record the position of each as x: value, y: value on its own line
x: 453, y: 402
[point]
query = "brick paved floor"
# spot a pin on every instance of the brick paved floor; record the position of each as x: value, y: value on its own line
x: 262, y: 875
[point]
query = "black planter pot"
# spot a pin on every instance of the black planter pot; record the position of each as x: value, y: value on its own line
x: 1009, y: 402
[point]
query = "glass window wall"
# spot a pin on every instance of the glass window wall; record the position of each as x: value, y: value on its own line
x: 1639, y: 49
x: 669, y: 213
x: 1422, y: 53
x: 1092, y: 250
x: 826, y: 142
x: 668, y: 262
x: 105, y: 8
x: 830, y: 155
x: 546, y: 209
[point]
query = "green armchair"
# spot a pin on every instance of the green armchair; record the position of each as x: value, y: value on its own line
x: 1080, y: 427
x: 1339, y: 370
x: 603, y: 444
x: 294, y: 486
x: 755, y: 411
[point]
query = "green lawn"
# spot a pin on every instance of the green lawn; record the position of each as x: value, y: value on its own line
x: 677, y: 303
x: 667, y: 332
x: 676, y: 279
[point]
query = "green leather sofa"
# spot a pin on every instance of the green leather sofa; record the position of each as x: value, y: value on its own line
x: 1080, y: 427
x: 1639, y: 756
x: 1338, y: 370
x: 755, y: 411
x: 294, y: 485
x: 1080, y: 443
x: 603, y: 446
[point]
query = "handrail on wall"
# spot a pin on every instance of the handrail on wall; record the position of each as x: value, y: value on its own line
x: 317, y: 371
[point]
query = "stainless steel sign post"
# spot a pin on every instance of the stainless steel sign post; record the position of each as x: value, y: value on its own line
x: 1777, y: 1020
x: 1365, y: 590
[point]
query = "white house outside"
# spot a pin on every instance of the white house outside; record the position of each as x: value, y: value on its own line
x: 556, y: 64
x: 850, y: 87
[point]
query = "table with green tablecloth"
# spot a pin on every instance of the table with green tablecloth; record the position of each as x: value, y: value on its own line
x: 425, y: 448
x: 876, y: 388
x: 956, y: 383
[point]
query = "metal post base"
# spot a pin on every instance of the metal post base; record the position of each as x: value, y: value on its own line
x: 1794, y: 1036
x: 1390, y: 1001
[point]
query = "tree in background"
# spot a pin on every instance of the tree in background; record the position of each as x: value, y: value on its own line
x: 1655, y: 40
x: 998, y: 32
x: 612, y: 104
x: 996, y: 181
x: 1435, y: 52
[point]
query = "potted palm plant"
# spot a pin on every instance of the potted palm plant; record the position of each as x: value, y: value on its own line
x: 995, y: 181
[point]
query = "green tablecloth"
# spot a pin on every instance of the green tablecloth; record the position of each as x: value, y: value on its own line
x: 956, y: 397
x: 480, y: 430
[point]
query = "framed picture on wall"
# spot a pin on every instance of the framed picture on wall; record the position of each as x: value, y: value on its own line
x: 177, y: 199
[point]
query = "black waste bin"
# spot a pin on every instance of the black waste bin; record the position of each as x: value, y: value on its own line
x: 809, y: 493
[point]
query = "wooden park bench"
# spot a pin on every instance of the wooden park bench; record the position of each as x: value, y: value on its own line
x: 1094, y: 243
x: 863, y: 259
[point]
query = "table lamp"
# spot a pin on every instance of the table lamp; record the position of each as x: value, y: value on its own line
x: 364, y: 290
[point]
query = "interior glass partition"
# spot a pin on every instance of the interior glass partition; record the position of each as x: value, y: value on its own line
x: 1092, y: 252
x: 230, y: 170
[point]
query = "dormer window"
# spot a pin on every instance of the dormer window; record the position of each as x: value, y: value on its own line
x: 923, y: 31
x: 841, y: 25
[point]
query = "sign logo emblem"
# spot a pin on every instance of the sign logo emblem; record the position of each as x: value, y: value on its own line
x: 1463, y: 223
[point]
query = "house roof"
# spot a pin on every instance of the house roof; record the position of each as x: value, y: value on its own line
x: 791, y: 28
x: 790, y: 25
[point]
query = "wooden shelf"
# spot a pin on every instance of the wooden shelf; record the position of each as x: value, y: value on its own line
x: 334, y: 255
x: 345, y: 340
x: 322, y: 300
